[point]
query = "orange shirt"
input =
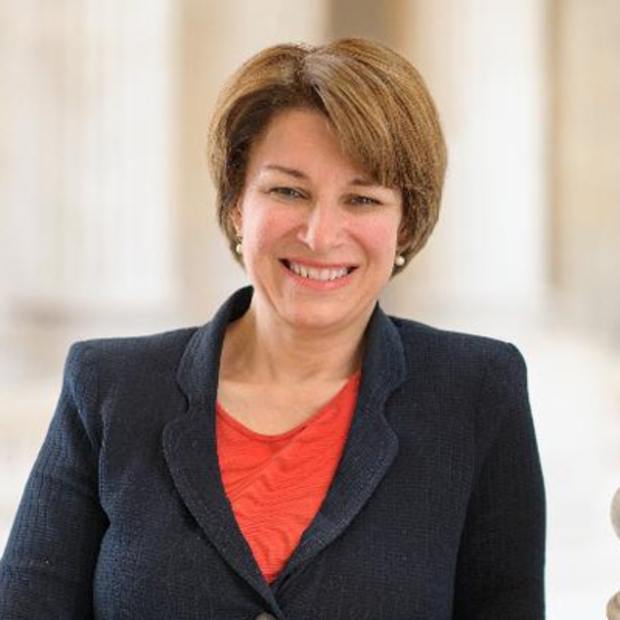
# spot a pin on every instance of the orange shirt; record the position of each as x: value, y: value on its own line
x: 277, y: 483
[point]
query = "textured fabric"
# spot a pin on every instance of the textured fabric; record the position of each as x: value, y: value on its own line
x: 436, y: 510
x: 277, y: 483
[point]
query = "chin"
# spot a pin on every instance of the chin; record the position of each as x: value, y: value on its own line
x: 314, y: 320
x: 322, y: 316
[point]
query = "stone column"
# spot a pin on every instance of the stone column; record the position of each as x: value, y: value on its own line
x: 89, y: 212
x: 586, y: 182
x: 484, y: 61
x: 87, y: 118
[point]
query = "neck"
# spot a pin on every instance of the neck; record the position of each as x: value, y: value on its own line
x: 262, y: 350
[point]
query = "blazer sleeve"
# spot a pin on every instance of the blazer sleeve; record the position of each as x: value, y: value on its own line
x: 500, y: 572
x: 48, y: 564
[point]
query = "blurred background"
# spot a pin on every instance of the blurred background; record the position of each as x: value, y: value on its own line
x: 107, y: 224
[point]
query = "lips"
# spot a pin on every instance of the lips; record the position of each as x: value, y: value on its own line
x: 317, y: 273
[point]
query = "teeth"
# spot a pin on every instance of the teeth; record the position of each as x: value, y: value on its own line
x: 322, y: 275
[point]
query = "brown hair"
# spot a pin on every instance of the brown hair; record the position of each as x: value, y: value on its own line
x: 377, y: 103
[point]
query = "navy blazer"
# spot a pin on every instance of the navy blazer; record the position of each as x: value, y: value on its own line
x: 436, y: 511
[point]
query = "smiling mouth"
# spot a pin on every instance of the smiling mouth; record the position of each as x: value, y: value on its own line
x: 319, y: 274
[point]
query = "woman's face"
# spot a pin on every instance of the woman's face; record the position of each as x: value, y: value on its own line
x: 319, y: 236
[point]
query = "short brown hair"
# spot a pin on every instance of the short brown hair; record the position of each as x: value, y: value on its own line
x: 377, y: 103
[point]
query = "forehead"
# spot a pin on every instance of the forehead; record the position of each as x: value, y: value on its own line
x: 300, y: 139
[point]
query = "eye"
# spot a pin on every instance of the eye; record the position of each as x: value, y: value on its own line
x: 287, y: 192
x: 364, y: 200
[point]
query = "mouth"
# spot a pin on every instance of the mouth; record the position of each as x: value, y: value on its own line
x: 318, y: 274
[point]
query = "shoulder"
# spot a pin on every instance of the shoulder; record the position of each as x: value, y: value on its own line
x: 455, y: 351
x: 138, y: 371
x: 466, y: 380
x: 131, y: 360
x: 154, y: 349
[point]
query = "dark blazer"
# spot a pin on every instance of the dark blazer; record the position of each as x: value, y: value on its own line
x: 436, y: 511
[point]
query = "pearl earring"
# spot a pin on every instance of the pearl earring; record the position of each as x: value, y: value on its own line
x: 239, y: 248
x: 399, y: 261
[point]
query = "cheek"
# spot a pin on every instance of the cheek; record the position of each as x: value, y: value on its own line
x: 379, y: 237
x: 265, y: 227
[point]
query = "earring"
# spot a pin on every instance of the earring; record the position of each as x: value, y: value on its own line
x: 239, y: 246
x: 399, y: 261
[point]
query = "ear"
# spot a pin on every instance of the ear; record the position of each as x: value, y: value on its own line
x: 236, y: 219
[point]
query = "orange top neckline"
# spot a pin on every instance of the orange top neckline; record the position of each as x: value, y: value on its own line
x: 226, y: 417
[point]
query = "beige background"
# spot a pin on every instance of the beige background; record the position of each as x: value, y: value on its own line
x: 107, y: 226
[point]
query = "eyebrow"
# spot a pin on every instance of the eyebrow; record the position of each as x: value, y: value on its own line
x: 298, y: 174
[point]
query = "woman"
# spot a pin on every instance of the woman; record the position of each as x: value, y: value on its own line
x: 302, y: 455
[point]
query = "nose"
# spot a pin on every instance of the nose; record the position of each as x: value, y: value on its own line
x: 323, y: 228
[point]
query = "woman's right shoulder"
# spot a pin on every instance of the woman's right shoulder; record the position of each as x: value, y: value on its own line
x: 124, y: 356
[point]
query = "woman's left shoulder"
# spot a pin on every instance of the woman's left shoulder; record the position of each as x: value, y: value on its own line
x: 486, y: 377
x: 456, y: 349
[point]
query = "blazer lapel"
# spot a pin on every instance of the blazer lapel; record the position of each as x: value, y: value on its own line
x: 371, y: 446
x: 191, y: 452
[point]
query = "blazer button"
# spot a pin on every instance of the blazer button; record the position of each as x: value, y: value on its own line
x: 265, y: 616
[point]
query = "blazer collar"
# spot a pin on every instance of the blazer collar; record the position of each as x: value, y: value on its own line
x: 191, y: 452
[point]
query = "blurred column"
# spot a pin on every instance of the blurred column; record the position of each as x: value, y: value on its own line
x: 484, y: 61
x: 214, y: 38
x: 10, y: 54
x: 18, y: 152
x: 87, y: 117
x: 586, y: 180
x: 90, y: 200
